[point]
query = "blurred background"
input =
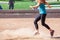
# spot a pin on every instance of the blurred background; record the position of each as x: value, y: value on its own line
x: 24, y: 4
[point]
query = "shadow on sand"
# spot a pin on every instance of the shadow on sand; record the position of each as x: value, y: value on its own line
x: 56, y: 37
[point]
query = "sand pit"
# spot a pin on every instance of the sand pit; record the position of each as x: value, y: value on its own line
x: 23, y: 29
x: 23, y: 33
x: 11, y: 34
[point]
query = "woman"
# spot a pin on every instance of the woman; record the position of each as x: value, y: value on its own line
x: 42, y: 15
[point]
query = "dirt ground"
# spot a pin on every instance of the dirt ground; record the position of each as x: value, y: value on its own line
x: 23, y: 29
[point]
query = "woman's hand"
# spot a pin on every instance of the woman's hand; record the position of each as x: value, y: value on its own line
x: 49, y: 6
x: 33, y: 7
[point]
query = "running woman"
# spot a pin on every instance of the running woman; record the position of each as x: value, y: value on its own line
x: 42, y: 15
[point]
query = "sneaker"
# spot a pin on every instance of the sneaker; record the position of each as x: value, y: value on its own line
x: 36, y: 33
x: 52, y: 33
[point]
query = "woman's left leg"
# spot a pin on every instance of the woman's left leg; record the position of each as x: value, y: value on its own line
x: 43, y: 17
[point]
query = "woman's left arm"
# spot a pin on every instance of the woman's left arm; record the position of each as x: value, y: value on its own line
x: 48, y: 4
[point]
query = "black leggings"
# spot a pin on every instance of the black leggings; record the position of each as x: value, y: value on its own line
x: 42, y: 17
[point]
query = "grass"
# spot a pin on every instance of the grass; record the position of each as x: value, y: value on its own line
x: 23, y: 5
x: 18, y: 5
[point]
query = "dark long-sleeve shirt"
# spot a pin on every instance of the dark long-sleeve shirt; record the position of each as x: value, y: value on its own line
x: 11, y: 1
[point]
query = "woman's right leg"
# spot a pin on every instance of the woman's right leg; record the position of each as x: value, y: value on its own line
x: 36, y: 24
x: 38, y: 17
